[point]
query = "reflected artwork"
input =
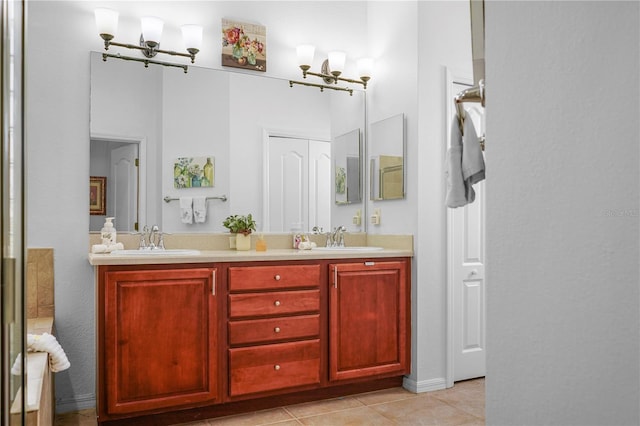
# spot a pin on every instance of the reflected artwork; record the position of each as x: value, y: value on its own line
x: 193, y: 172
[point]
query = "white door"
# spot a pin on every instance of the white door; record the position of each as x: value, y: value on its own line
x: 467, y: 276
x: 287, y: 197
x: 297, y: 184
x: 320, y: 184
x: 123, y: 188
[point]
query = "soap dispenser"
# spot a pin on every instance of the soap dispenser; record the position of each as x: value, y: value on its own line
x: 108, y: 232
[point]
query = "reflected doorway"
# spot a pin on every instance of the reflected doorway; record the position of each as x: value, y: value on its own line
x: 119, y: 160
x: 297, y: 191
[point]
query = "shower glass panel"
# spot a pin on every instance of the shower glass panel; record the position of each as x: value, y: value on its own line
x: 12, y: 313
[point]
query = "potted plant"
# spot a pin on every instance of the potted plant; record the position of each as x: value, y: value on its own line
x: 242, y: 226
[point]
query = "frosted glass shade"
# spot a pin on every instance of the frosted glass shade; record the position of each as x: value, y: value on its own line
x: 305, y: 54
x: 365, y: 67
x: 106, y: 21
x: 192, y: 36
x: 336, y: 61
x: 151, y: 29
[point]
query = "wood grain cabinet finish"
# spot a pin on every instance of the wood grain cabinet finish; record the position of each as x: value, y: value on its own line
x: 179, y: 343
x: 368, y: 319
x: 280, y: 366
x: 271, y: 304
x: 160, y: 339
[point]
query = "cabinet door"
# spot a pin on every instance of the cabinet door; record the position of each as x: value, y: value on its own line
x: 160, y: 341
x: 368, y: 317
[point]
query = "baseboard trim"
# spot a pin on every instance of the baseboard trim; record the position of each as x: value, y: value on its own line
x: 424, y: 385
x: 80, y: 402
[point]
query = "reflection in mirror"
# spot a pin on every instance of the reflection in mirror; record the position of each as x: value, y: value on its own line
x: 117, y: 161
x: 347, y: 149
x: 386, y: 158
x: 226, y: 115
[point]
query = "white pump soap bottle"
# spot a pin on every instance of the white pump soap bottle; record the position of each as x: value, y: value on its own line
x: 108, y: 232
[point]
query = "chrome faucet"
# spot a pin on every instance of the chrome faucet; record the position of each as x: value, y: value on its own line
x: 336, y: 238
x: 151, y: 238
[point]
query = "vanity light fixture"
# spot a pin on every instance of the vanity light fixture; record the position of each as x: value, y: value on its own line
x: 107, y: 24
x: 331, y: 69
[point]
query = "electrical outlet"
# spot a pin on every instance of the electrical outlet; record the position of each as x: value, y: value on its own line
x: 375, y: 217
x: 357, y: 218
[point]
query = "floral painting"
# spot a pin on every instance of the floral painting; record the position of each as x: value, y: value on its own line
x: 193, y: 172
x: 244, y: 45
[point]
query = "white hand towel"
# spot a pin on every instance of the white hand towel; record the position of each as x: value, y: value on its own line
x: 44, y: 342
x: 200, y: 209
x: 186, y: 209
x: 47, y: 343
x: 103, y: 248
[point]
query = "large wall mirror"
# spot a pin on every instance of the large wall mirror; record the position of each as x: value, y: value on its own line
x: 162, y: 116
x: 386, y: 158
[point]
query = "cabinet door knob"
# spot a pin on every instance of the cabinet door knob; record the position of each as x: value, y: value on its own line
x: 276, y: 367
x: 277, y: 329
x: 277, y: 303
x: 277, y: 278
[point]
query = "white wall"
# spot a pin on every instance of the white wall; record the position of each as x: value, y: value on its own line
x: 290, y: 110
x: 195, y: 123
x: 60, y: 35
x: 126, y: 101
x: 562, y: 213
x: 412, y: 43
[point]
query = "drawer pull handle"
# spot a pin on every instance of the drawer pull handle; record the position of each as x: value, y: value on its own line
x: 276, y: 367
x: 277, y: 303
x: 277, y: 278
x: 277, y: 329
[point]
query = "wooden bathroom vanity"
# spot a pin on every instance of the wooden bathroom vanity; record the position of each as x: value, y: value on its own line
x: 187, y: 338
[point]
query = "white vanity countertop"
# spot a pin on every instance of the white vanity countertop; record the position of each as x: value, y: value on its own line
x: 215, y: 248
x: 211, y: 256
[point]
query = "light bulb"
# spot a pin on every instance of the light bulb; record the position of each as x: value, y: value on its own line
x: 106, y: 22
x: 336, y: 62
x: 305, y: 54
x: 365, y: 68
x: 151, y: 30
x: 192, y: 36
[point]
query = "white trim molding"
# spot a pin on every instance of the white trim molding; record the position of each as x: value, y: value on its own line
x: 424, y: 385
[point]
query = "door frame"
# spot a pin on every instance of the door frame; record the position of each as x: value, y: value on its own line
x: 451, y: 78
x: 142, y: 167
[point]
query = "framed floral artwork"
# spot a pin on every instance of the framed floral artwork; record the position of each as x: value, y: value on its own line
x: 98, y: 195
x: 244, y: 45
x: 194, y: 172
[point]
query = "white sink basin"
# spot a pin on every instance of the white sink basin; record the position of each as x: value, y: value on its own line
x: 166, y: 252
x: 352, y: 248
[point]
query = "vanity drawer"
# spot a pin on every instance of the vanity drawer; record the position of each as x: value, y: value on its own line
x: 274, y: 303
x: 273, y: 277
x: 269, y: 367
x: 273, y: 329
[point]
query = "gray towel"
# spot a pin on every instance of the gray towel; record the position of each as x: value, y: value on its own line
x: 464, y: 166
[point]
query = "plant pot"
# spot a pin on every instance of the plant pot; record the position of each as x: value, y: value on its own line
x: 243, y: 242
x: 232, y: 242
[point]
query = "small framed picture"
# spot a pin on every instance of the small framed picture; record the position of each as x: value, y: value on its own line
x: 98, y: 195
x: 244, y: 45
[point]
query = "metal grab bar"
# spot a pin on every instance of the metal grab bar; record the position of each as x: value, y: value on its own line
x: 168, y: 199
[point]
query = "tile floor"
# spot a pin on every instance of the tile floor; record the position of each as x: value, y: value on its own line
x: 461, y: 405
